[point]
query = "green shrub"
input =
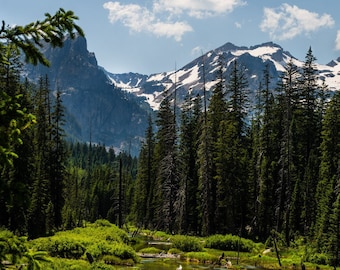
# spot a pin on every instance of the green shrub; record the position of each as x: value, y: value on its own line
x: 102, y: 223
x: 229, y: 242
x: 174, y: 251
x: 101, y: 266
x: 65, y: 264
x: 66, y: 248
x: 125, y: 252
x: 119, y: 250
x: 11, y: 246
x: 202, y: 257
x: 99, y: 239
x: 103, y: 229
x: 111, y: 259
x: 187, y: 243
x: 319, y: 258
x: 160, y: 236
x: 150, y: 250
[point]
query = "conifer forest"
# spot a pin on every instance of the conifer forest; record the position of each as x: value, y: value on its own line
x: 216, y: 165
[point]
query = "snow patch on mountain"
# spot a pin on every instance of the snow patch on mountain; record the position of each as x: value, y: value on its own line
x: 257, y: 52
x: 191, y: 77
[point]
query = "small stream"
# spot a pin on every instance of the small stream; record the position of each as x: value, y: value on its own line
x: 164, y: 263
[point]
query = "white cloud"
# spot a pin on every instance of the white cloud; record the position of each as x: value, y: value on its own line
x: 133, y: 16
x: 175, y: 30
x: 196, y: 51
x: 141, y: 19
x: 287, y: 22
x: 198, y: 9
x: 238, y: 25
x: 337, y: 41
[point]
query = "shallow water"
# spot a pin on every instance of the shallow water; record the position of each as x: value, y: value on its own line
x: 172, y: 264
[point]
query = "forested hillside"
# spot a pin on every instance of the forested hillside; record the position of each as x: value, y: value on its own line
x: 212, y: 170
x: 204, y: 170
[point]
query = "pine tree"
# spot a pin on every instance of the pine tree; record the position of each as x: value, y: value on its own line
x: 308, y: 134
x: 28, y: 39
x: 167, y: 182
x: 287, y: 101
x: 230, y: 175
x: 254, y: 171
x: 41, y: 194
x: 205, y: 176
x: 207, y: 170
x: 329, y: 173
x: 191, y: 119
x: 143, y: 211
x: 230, y: 157
x: 58, y: 156
x: 266, y: 162
x: 13, y: 186
x: 333, y: 245
x: 237, y: 95
x: 22, y: 173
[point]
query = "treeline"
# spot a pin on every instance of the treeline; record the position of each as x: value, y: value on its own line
x: 218, y: 169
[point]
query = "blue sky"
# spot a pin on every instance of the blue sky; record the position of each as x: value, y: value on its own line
x: 151, y: 36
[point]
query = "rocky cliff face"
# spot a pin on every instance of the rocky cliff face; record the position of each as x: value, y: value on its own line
x: 96, y: 110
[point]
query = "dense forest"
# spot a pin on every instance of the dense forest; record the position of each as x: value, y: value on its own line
x: 215, y: 166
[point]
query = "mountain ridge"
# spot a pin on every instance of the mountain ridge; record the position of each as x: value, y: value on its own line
x: 189, y: 77
x: 113, y: 109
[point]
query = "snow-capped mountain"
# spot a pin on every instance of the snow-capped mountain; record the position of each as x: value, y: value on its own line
x: 113, y: 109
x: 191, y: 78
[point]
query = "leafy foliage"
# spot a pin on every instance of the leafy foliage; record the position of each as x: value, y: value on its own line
x: 51, y: 30
x: 15, y: 249
x: 14, y: 117
x: 202, y: 257
x: 187, y: 243
x: 229, y: 242
x: 98, y: 239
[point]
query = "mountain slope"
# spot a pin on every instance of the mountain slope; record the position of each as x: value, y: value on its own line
x: 96, y: 110
x: 190, y: 77
x: 112, y: 109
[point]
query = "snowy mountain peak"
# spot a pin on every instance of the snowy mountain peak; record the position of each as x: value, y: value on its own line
x: 190, y: 77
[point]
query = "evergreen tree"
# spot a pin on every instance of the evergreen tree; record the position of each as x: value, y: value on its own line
x: 41, y: 194
x: 287, y: 101
x: 254, y: 171
x: 58, y: 156
x: 333, y: 245
x: 29, y: 40
x: 191, y: 119
x: 327, y: 188
x: 230, y: 157
x: 268, y: 153
x: 205, y: 176
x: 308, y: 135
x: 143, y: 211
x: 207, y: 152
x: 167, y: 183
x: 231, y: 190
x: 16, y: 175
x: 237, y: 95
